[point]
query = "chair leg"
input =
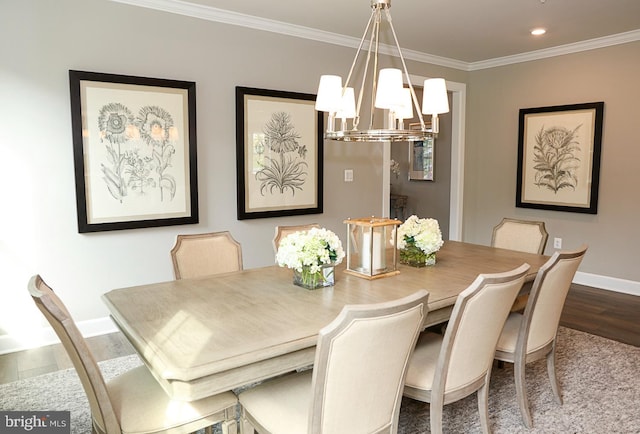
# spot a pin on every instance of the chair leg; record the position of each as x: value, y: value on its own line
x: 245, y: 426
x: 521, y: 392
x: 435, y: 416
x: 229, y: 427
x: 553, y: 378
x: 483, y: 405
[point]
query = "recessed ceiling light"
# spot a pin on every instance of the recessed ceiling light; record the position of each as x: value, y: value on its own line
x: 538, y: 31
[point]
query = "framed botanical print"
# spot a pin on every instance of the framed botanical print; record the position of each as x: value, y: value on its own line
x: 134, y: 143
x: 559, y: 151
x: 279, y: 153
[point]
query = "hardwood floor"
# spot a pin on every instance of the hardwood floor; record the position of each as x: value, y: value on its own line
x: 604, y: 313
x: 38, y: 361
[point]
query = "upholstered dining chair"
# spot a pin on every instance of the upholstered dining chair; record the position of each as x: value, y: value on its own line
x: 283, y: 231
x: 357, y: 379
x: 531, y: 335
x: 524, y: 236
x: 445, y: 369
x: 521, y: 235
x: 196, y: 255
x: 133, y: 402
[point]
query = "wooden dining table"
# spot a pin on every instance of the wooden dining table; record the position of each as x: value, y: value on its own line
x: 207, y: 335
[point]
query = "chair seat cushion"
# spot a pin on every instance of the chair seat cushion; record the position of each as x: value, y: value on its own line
x: 142, y: 406
x: 509, y: 336
x: 280, y: 405
x: 422, y: 366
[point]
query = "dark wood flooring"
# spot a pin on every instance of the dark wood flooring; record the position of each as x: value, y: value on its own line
x: 609, y: 314
x: 605, y: 313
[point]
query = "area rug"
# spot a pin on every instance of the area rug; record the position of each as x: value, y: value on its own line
x: 599, y: 379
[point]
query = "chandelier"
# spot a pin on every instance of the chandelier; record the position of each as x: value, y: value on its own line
x: 387, y: 92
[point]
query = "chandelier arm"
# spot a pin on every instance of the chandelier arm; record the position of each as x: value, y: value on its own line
x: 355, y: 59
x: 406, y: 72
x: 356, y: 120
x: 374, y: 84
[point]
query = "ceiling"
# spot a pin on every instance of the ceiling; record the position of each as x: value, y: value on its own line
x: 467, y: 32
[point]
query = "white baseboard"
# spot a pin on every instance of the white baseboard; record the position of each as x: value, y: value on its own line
x: 609, y: 283
x: 101, y: 326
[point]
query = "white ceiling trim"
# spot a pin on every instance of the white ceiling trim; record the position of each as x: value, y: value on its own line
x: 591, y: 44
x: 237, y: 19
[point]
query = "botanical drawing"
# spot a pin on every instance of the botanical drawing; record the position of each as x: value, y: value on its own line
x: 130, y: 165
x: 554, y: 156
x: 289, y: 170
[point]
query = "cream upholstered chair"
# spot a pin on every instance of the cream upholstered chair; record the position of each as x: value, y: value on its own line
x: 445, y: 369
x: 133, y: 402
x: 198, y: 255
x: 283, y: 231
x: 356, y: 383
x: 521, y: 235
x: 532, y: 335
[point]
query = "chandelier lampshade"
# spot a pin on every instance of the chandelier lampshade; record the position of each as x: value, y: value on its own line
x: 386, y: 92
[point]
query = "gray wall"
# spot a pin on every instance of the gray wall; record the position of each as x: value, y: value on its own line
x: 494, y: 99
x: 41, y: 40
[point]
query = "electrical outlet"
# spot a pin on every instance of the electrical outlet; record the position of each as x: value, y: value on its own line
x: 557, y: 243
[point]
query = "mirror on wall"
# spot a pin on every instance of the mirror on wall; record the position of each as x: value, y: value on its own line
x: 421, y: 160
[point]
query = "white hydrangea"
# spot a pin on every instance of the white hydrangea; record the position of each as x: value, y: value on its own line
x: 425, y: 233
x: 312, y: 248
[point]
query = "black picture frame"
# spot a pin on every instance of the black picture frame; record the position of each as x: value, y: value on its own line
x: 282, y: 176
x: 134, y: 146
x: 559, y: 149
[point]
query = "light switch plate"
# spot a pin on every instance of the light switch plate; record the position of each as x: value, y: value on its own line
x: 348, y: 175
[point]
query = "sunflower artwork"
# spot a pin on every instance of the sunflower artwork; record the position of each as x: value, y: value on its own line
x: 139, y: 150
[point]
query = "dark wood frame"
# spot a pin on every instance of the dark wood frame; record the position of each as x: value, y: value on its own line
x: 297, y: 106
x: 143, y: 92
x: 577, y: 193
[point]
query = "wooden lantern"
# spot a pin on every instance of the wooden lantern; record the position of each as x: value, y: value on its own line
x: 371, y: 247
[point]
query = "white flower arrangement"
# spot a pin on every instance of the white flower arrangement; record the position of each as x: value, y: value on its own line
x: 424, y: 233
x: 395, y: 167
x: 312, y: 249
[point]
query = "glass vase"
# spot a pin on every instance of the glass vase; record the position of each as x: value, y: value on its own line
x: 415, y: 257
x: 306, y: 279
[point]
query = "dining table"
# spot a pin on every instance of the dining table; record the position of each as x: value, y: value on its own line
x: 202, y: 336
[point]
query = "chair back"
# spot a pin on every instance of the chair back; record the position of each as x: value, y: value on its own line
x: 104, y: 418
x: 546, y: 299
x: 471, y: 337
x: 283, y: 231
x: 197, y: 255
x: 360, y: 366
x: 521, y: 235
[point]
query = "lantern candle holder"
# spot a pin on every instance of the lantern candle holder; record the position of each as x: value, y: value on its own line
x: 371, y: 247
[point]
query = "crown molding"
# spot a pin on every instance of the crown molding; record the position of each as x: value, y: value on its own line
x: 257, y: 23
x: 561, y: 50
